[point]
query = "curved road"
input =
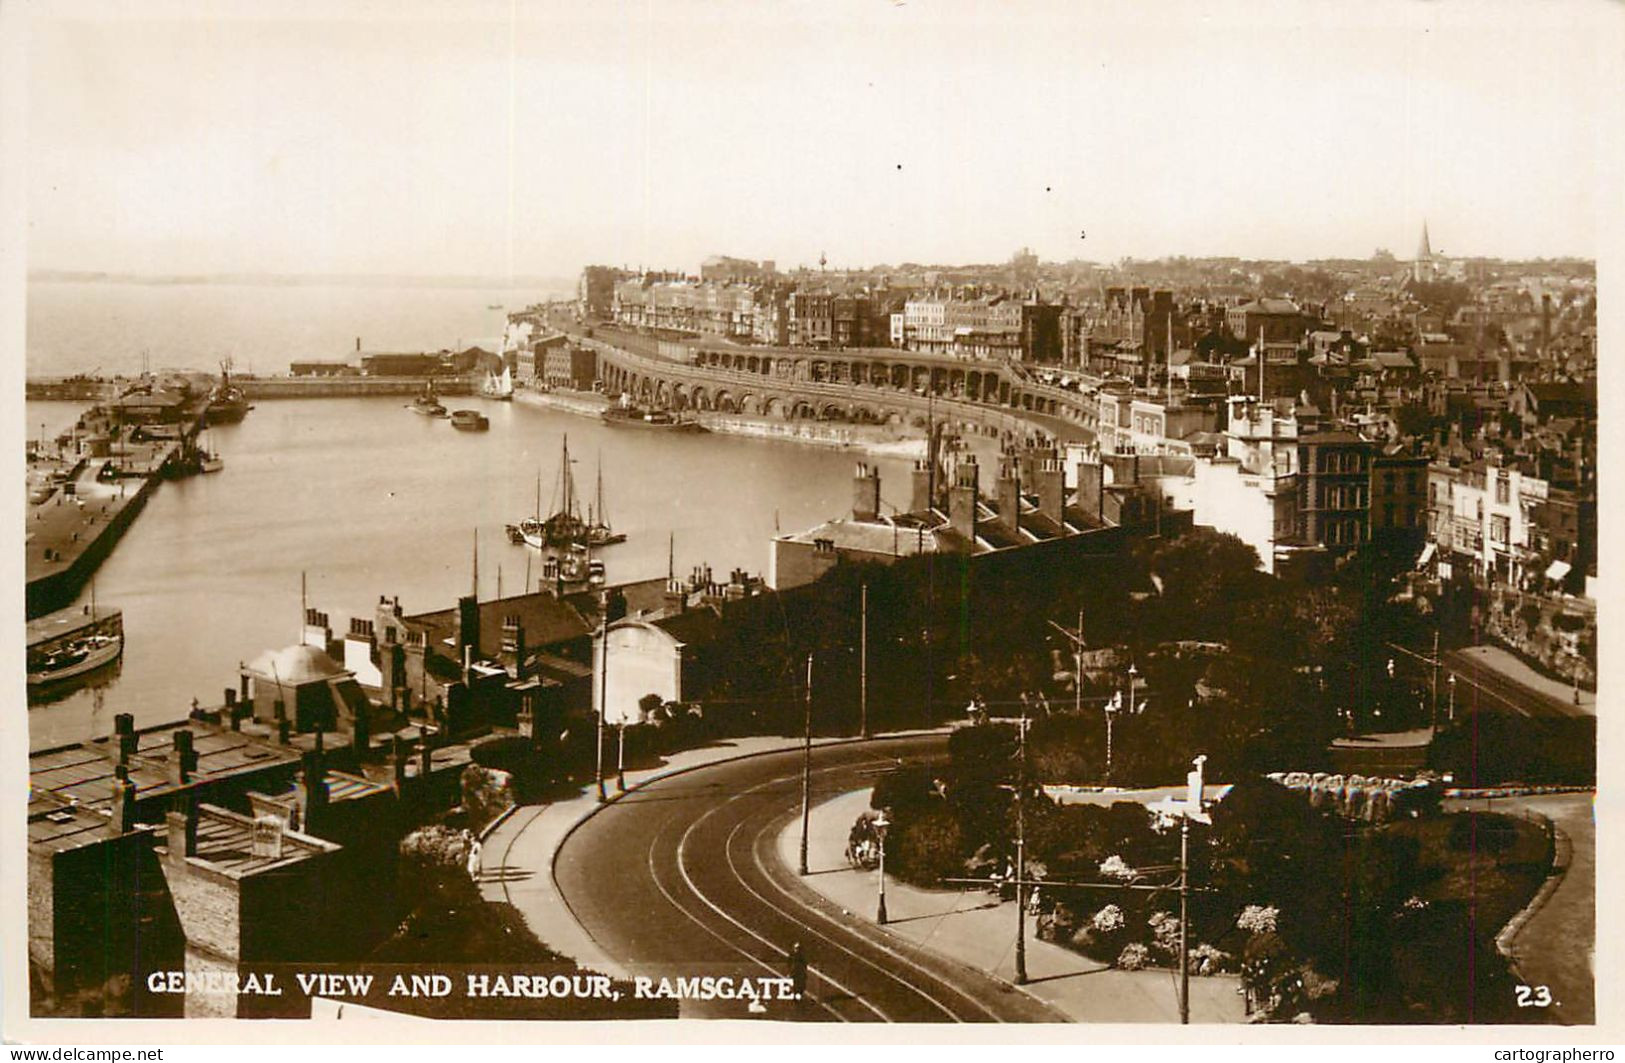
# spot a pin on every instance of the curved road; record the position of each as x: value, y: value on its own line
x: 680, y: 879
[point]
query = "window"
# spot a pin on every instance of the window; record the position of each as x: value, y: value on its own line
x: 1500, y: 530
x: 1502, y: 488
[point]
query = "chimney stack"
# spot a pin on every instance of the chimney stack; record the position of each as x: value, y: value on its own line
x: 513, y: 642
x: 866, y: 493
x: 468, y: 624
x: 962, y: 498
x: 123, y: 802
x: 1009, y: 490
x: 182, y: 757
x: 919, y: 498
x: 676, y: 597
x: 397, y: 756
x: 1051, y: 484
x: 124, y: 732
x: 313, y: 791
x: 181, y: 828
x: 267, y: 838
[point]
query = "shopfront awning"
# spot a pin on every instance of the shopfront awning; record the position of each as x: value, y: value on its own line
x: 1557, y: 570
x: 1427, y: 555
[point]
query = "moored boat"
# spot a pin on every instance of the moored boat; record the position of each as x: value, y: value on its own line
x: 427, y: 404
x: 227, y: 402
x: 470, y: 420
x: 498, y: 387
x: 72, y: 643
x: 627, y: 415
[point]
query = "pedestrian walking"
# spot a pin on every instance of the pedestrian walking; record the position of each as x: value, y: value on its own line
x: 798, y: 969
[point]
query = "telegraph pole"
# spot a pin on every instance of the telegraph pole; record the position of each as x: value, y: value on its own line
x: 806, y: 765
x: 1021, y: 856
x: 863, y: 663
x: 1184, y: 920
x: 1435, y: 714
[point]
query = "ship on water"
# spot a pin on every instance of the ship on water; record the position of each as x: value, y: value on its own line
x: 568, y: 527
x: 470, y: 421
x: 72, y: 644
x: 498, y: 387
x: 627, y: 414
x: 426, y: 403
x: 227, y: 402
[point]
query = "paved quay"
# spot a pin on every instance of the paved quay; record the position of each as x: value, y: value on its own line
x: 518, y: 853
x: 974, y: 929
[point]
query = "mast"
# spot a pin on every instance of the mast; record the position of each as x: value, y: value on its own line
x: 602, y: 519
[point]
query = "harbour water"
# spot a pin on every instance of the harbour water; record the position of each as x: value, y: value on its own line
x: 366, y: 498
x: 111, y: 328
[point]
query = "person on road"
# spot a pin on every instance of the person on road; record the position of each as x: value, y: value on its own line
x: 798, y: 969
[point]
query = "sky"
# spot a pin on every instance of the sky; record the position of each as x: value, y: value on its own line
x: 530, y: 138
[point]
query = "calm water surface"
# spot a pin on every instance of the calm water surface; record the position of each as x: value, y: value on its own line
x: 367, y: 498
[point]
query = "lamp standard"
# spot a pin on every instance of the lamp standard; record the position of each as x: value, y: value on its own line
x: 1452, y: 681
x: 881, y: 823
x: 603, y: 707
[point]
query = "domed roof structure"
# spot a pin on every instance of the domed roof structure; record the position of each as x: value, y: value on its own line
x: 297, y: 665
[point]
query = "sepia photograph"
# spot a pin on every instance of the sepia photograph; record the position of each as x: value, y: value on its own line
x: 867, y: 511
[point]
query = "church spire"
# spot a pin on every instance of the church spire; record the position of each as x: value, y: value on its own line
x: 1424, y: 250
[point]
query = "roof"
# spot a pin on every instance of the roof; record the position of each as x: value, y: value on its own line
x: 1585, y: 393
x: 871, y: 537
x: 1269, y: 306
x: 84, y: 773
x: 1392, y: 359
x: 691, y: 627
x: 225, y: 841
x: 543, y: 618
x: 297, y: 665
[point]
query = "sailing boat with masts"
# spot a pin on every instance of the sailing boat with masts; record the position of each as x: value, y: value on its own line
x: 599, y: 532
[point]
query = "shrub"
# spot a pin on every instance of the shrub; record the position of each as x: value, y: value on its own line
x: 486, y: 795
x: 1133, y: 957
x: 906, y: 787
x: 927, y: 848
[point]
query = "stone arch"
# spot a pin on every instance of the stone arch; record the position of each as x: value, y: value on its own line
x: 775, y: 408
x: 802, y: 410
x: 662, y: 392
x: 832, y: 411
x: 679, y: 396
x: 750, y: 405
x: 700, y: 397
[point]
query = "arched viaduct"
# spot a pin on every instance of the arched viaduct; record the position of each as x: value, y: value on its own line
x: 862, y: 386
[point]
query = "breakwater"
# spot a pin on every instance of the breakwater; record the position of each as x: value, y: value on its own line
x: 68, y: 536
x: 347, y: 387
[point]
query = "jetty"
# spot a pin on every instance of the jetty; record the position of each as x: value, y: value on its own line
x: 84, y: 496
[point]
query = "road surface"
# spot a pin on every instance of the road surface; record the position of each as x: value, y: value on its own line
x: 681, y: 879
x: 1480, y: 686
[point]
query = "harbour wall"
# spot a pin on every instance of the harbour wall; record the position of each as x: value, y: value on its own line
x: 57, y: 588
x: 346, y: 387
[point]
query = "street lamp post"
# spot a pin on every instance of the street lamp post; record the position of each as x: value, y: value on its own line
x: 603, y: 707
x: 1452, y: 682
x: 881, y: 823
x: 620, y: 756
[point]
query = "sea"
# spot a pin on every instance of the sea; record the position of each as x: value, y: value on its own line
x: 336, y: 502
